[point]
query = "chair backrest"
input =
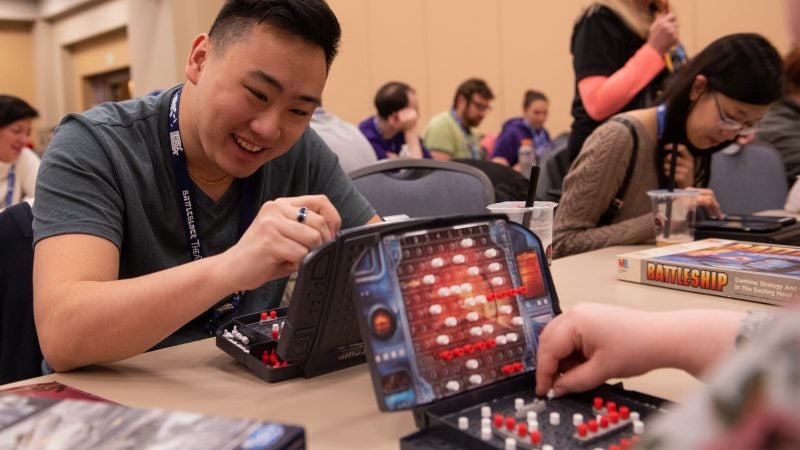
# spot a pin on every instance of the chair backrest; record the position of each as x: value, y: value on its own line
x: 20, y: 355
x: 423, y: 187
x: 553, y: 168
x: 509, y: 185
x: 749, y: 180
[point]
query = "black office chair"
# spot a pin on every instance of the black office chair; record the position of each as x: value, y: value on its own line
x: 509, y: 185
x: 554, y: 166
x: 20, y: 355
x: 423, y: 187
x: 749, y: 180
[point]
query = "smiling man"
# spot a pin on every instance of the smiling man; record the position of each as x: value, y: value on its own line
x: 160, y: 218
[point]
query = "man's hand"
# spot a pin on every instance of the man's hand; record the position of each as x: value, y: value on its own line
x: 406, y: 119
x: 277, y: 240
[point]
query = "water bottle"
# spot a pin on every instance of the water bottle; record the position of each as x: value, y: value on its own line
x: 526, y: 157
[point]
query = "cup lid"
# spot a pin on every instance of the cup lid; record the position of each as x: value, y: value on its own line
x: 675, y: 193
x: 516, y: 206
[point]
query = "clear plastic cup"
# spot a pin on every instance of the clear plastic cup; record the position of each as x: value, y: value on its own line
x: 673, y: 215
x: 541, y: 220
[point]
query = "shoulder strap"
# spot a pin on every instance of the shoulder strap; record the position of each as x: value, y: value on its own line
x: 616, y: 204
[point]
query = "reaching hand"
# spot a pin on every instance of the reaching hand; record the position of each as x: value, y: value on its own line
x: 584, y: 347
x: 278, y: 240
x: 589, y: 344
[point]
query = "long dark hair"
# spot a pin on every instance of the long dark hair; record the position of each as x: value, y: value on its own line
x: 744, y: 67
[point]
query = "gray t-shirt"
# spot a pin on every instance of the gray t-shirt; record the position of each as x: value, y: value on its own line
x: 107, y: 172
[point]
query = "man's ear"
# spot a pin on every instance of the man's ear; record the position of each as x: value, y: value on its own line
x: 197, y: 58
x: 461, y: 102
x: 699, y: 85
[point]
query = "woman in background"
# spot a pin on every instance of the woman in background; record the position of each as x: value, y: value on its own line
x: 18, y: 163
x: 621, y: 56
x: 535, y: 107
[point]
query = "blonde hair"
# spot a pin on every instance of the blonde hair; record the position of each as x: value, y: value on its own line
x: 634, y: 13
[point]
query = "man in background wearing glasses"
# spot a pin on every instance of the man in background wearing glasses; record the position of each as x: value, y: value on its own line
x: 451, y: 134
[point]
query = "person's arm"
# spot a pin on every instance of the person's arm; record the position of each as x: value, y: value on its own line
x: 589, y: 187
x: 506, y: 148
x: 793, y: 12
x: 85, y: 315
x: 793, y: 199
x: 441, y: 155
x: 604, y: 96
x: 500, y: 160
x: 407, y: 121
x: 28, y: 181
x: 584, y: 347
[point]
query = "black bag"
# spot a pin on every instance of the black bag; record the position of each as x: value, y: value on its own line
x: 616, y: 204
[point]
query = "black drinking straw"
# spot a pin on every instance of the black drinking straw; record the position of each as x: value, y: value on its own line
x: 671, y: 187
x: 532, y: 181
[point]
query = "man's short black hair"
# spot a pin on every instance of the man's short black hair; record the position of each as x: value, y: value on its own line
x: 470, y: 87
x: 13, y: 109
x: 391, y: 97
x: 311, y: 20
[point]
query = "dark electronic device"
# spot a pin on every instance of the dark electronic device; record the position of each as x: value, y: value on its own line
x: 737, y: 225
x: 450, y: 316
x: 317, y: 333
x: 783, y: 230
x: 782, y: 220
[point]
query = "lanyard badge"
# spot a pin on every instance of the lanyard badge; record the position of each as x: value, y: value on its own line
x: 185, y: 190
x: 10, y: 192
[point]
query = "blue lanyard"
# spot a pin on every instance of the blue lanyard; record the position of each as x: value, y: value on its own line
x: 191, y: 226
x: 10, y: 191
x: 661, y: 119
x: 468, y: 137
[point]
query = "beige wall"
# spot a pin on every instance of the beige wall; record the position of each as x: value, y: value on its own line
x: 191, y: 18
x: 18, y: 69
x: 431, y: 44
x: 514, y: 44
x: 95, y: 56
x: 16, y: 46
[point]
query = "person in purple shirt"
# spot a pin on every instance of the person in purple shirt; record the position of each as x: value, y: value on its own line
x: 529, y: 126
x: 393, y: 131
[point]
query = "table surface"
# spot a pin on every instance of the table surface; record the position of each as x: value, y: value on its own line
x: 338, y: 410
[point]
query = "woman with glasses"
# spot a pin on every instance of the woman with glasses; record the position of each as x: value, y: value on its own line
x: 18, y: 163
x: 721, y: 94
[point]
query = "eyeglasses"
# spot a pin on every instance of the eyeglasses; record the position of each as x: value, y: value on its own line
x: 481, y: 106
x: 728, y: 124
